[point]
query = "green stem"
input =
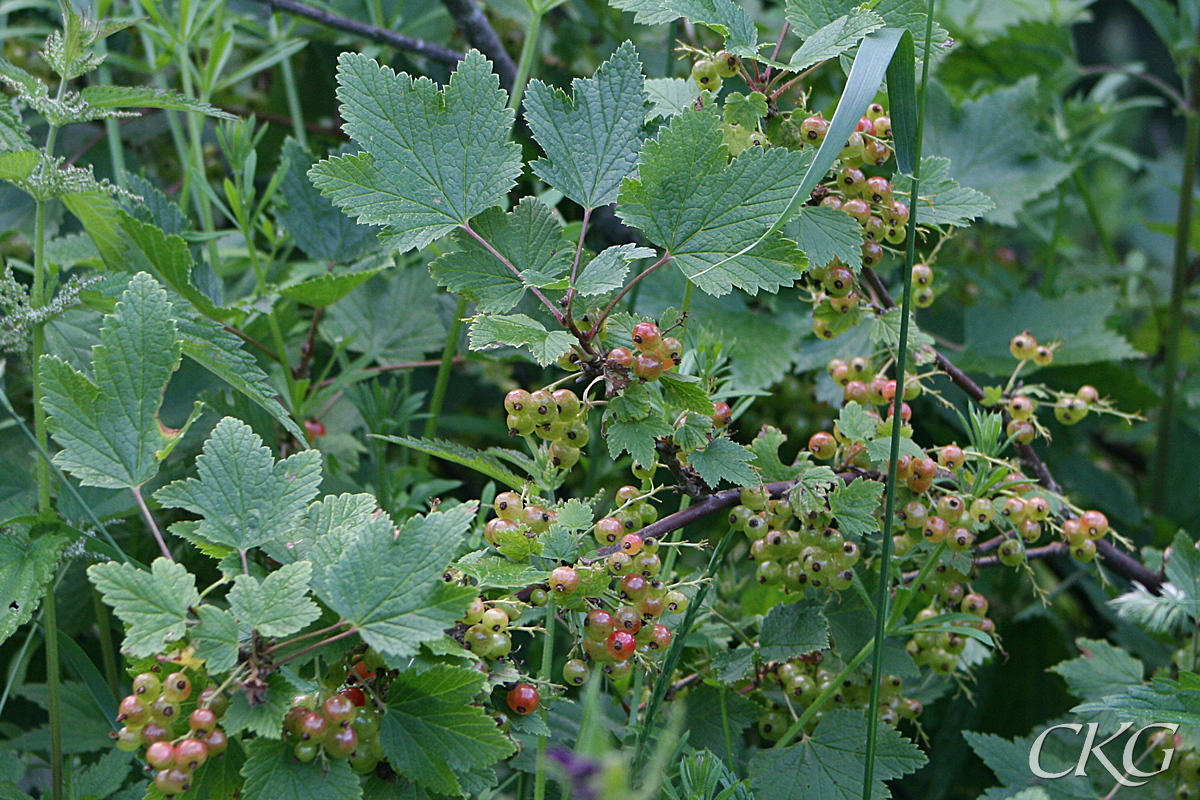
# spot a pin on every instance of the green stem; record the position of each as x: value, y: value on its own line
x: 819, y: 702
x: 108, y: 651
x: 675, y: 653
x: 1089, y: 202
x: 885, y: 555
x: 546, y: 674
x: 443, y: 378
x: 1159, y: 488
x: 528, y: 56
x: 53, y: 696
x: 260, y: 278
x: 1050, y: 269
x: 196, y: 172
x: 291, y: 93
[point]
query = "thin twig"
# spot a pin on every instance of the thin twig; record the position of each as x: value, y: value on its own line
x: 1118, y: 561
x: 301, y: 637
x: 775, y: 53
x: 429, y: 50
x: 481, y: 35
x: 466, y: 226
x: 322, y: 643
x: 137, y: 494
x: 620, y: 295
x: 248, y: 339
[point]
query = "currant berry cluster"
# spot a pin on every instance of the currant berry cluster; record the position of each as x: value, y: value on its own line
x: 1186, y: 767
x: 338, y: 726
x: 515, y: 518
x: 708, y: 73
x: 816, y: 556
x: 154, y: 717
x: 861, y: 384
x: 557, y: 417
x: 940, y: 651
x: 803, y: 679
x: 1069, y: 408
x: 487, y: 634
x: 655, y: 353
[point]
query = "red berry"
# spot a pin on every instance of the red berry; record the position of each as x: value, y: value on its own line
x: 190, y: 753
x: 361, y: 671
x: 523, y: 698
x: 597, y: 625
x: 620, y: 645
x: 631, y: 543
x: 722, y: 414
x: 153, y: 732
x: 217, y: 742
x: 355, y: 695
x: 621, y: 357
x: 342, y: 743
x: 338, y: 710
x: 660, y: 639
x: 177, y: 687
x: 649, y: 366
x: 160, y: 755
x: 822, y: 445
x: 202, y: 721
x: 646, y: 336
x: 132, y: 712
x: 312, y: 727
x: 314, y: 428
x: 564, y: 580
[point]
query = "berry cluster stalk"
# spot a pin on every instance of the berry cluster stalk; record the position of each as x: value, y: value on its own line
x: 885, y: 556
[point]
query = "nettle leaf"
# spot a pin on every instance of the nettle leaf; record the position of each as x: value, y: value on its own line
x: 25, y: 571
x: 1009, y: 165
x: 153, y: 604
x: 834, y: 38
x: 635, y: 437
x: 702, y: 210
x: 389, y: 585
x: 431, y: 159
x: 14, y: 133
x: 766, y: 451
x: 221, y: 353
x: 825, y: 233
x: 1101, y: 670
x: 529, y: 237
x: 98, y: 97
x: 322, y: 291
x: 829, y: 764
x: 318, y: 227
x: 723, y: 459
x: 793, y: 630
x: 216, y: 639
x: 272, y: 772
x: 606, y: 272
x: 434, y: 734
x: 1183, y: 571
x: 278, y: 605
x: 517, y: 330
x: 108, y: 428
x: 1077, y: 320
x: 246, y: 497
x: 854, y: 505
x: 171, y: 259
x: 477, y: 460
x: 592, y: 137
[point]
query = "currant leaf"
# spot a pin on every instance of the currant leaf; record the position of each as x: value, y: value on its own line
x: 278, y: 605
x: 246, y: 497
x: 153, y: 604
x: 518, y: 330
x: 318, y: 227
x: 825, y: 233
x: 432, y: 159
x: 389, y: 584
x: 794, y: 629
x: 272, y: 772
x: 703, y: 210
x: 723, y: 459
x: 25, y: 571
x: 108, y: 428
x: 833, y: 38
x: 434, y: 734
x: 592, y: 137
x: 216, y: 639
x: 854, y: 505
x: 606, y: 272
